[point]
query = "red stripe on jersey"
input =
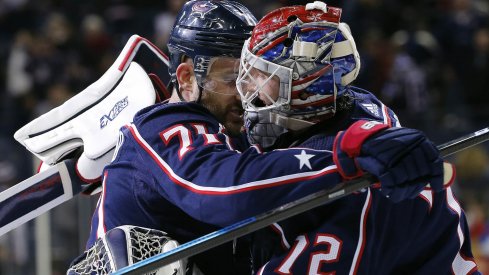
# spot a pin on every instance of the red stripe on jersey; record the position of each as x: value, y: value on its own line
x: 387, y: 117
x: 224, y: 191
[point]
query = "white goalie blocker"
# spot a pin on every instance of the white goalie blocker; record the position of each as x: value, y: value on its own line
x: 94, y: 116
x: 127, y: 245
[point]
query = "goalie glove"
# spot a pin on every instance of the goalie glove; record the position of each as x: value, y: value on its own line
x: 402, y: 159
x: 91, y: 135
x: 90, y: 121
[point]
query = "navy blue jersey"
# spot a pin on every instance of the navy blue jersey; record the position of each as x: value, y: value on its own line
x: 177, y: 156
x: 176, y: 170
x: 366, y: 233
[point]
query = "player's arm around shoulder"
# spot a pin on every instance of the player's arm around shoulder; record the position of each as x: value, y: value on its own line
x: 189, y: 155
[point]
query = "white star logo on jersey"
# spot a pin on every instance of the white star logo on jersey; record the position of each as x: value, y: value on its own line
x: 304, y: 159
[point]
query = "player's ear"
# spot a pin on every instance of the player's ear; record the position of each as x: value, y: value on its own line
x: 186, y: 79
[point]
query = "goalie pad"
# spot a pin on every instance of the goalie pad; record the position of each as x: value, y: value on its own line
x: 127, y: 245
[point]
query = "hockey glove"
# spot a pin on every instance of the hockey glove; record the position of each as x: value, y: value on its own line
x: 403, y: 159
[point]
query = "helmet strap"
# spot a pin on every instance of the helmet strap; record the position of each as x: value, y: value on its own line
x: 180, y: 96
x: 176, y: 87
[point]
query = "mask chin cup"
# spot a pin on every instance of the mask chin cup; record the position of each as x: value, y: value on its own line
x: 260, y: 129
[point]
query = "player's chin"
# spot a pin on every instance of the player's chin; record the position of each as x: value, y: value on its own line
x: 234, y: 116
x: 234, y: 128
x: 234, y: 121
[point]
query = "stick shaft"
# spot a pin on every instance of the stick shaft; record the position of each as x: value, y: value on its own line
x: 462, y: 143
x: 252, y: 224
x: 37, y: 195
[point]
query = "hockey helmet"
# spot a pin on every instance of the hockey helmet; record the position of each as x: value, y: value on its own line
x: 295, y: 65
x: 207, y: 29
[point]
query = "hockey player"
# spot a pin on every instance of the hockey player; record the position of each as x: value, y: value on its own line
x: 294, y: 82
x: 205, y: 46
x: 176, y: 168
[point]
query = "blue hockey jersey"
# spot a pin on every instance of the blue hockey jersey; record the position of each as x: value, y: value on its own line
x: 176, y: 170
x: 366, y: 233
x: 177, y: 156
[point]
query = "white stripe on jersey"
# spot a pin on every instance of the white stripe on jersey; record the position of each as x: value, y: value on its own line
x: 459, y: 264
x: 228, y: 140
x: 224, y: 190
x: 101, y: 220
x: 118, y: 145
x: 361, y: 237
x: 260, y: 272
x: 257, y: 148
x: 229, y: 144
x: 280, y: 231
x: 427, y: 195
x: 387, y: 119
x: 385, y: 115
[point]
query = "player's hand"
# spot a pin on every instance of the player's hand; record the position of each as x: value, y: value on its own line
x: 403, y: 159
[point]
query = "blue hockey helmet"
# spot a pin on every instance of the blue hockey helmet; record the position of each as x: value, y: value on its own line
x: 207, y: 29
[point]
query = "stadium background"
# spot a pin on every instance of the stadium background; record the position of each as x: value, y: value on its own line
x: 428, y: 60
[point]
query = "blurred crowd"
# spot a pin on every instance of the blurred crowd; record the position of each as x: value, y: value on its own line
x: 428, y: 60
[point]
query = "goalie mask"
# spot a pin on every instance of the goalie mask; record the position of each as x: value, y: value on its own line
x: 205, y: 30
x: 296, y: 64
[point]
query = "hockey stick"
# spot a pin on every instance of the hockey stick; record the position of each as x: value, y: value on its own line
x: 38, y: 194
x: 288, y: 210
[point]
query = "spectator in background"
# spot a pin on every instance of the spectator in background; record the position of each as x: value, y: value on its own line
x: 163, y: 23
x: 472, y: 183
x: 57, y: 93
x: 96, y: 43
x: 405, y: 87
x: 19, y: 84
x: 473, y: 171
x: 58, y: 30
x: 19, y: 81
x: 454, y: 28
x: 14, y: 248
x: 476, y: 93
x: 476, y: 210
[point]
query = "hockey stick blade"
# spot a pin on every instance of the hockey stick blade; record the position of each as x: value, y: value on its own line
x: 38, y: 194
x: 288, y: 210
